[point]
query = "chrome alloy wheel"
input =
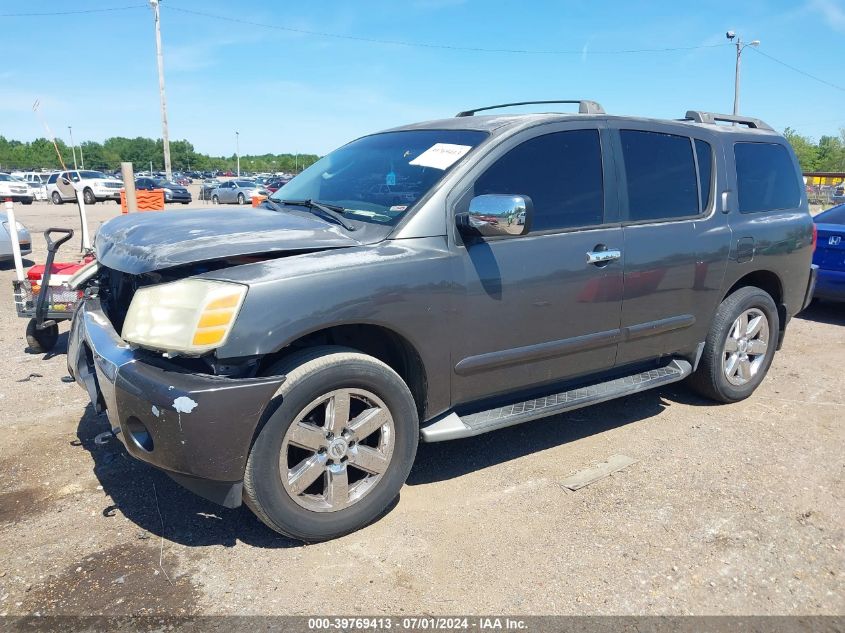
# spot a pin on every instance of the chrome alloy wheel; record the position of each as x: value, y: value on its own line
x: 337, y: 450
x: 745, y: 347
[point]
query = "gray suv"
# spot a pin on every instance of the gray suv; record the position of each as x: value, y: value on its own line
x: 292, y: 356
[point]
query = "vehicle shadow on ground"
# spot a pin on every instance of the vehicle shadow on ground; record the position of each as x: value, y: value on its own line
x: 9, y: 264
x: 159, y: 506
x: 445, y: 460
x: 828, y: 312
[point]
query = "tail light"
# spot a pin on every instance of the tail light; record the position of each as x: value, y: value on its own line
x: 815, y: 236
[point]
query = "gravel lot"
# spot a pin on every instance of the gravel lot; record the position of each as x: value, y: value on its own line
x: 728, y: 510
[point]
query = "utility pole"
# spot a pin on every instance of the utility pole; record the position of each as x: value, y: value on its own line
x: 739, y: 48
x: 165, y: 136
x: 238, y: 151
x: 73, y: 147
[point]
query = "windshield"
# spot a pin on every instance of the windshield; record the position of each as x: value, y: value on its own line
x: 88, y: 175
x: 379, y: 177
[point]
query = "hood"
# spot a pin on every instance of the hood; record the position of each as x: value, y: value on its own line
x: 138, y: 243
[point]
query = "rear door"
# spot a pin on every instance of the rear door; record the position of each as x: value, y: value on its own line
x: 676, y: 240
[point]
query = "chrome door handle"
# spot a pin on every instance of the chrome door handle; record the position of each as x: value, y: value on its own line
x: 602, y: 257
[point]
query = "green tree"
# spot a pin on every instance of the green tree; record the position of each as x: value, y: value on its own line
x: 805, y: 149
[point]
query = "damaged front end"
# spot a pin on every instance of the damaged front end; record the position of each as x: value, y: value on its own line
x: 144, y: 337
x: 193, y: 416
x: 198, y: 427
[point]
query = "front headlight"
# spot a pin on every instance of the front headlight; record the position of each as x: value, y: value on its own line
x: 189, y: 316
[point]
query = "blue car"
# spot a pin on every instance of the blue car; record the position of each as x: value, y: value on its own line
x: 830, y: 254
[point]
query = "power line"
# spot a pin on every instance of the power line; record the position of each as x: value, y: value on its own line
x: 475, y: 49
x: 76, y: 12
x: 798, y: 70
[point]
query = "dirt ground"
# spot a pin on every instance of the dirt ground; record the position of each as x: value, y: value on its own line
x: 728, y: 510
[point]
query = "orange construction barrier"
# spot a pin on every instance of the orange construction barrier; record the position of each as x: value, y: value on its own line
x: 256, y: 200
x: 147, y: 200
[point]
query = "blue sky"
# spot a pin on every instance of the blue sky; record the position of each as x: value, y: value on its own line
x: 291, y: 91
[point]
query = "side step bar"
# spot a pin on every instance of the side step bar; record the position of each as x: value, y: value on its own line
x: 454, y: 426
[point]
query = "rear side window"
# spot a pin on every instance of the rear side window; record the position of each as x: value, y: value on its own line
x: 661, y: 177
x: 766, y: 178
x: 560, y: 172
x: 704, y: 155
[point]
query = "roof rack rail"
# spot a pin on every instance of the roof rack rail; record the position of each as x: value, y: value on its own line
x: 584, y: 106
x: 711, y: 117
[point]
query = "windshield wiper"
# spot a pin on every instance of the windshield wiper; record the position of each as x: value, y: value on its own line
x: 329, y: 212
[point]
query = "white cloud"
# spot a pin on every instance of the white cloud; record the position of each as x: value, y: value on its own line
x: 832, y: 11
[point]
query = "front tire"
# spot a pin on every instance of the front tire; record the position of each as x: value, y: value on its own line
x: 215, y: 200
x: 337, y: 450
x: 241, y: 198
x: 740, y: 346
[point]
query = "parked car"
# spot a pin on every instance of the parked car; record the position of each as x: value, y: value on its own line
x: 391, y: 195
x: 172, y: 191
x: 293, y: 355
x: 839, y: 194
x: 12, y: 188
x: 6, y: 238
x: 274, y: 184
x: 94, y: 185
x: 207, y: 188
x: 830, y: 254
x: 236, y: 192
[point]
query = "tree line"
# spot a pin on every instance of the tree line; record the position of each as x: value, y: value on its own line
x: 826, y: 155
x: 141, y: 152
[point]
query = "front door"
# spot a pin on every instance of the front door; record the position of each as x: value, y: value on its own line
x: 535, y: 311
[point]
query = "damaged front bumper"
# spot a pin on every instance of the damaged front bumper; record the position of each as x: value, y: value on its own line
x: 196, y: 427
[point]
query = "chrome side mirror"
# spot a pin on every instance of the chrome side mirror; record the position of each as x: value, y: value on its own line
x: 495, y: 215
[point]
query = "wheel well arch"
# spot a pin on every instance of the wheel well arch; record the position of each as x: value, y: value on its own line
x: 771, y: 283
x: 388, y: 346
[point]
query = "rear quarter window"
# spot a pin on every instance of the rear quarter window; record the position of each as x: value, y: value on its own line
x: 766, y: 178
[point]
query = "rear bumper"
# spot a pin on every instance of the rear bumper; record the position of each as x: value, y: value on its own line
x: 196, y: 427
x: 830, y: 285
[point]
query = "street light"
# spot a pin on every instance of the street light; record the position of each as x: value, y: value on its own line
x: 72, y: 146
x: 739, y: 48
x: 238, y: 151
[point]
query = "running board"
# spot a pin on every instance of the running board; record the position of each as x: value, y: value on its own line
x: 454, y: 426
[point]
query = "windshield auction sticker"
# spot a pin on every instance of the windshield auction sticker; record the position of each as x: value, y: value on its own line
x: 441, y: 155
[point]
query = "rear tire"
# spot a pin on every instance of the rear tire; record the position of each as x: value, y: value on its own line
x: 41, y: 341
x: 739, y: 348
x: 88, y: 196
x: 56, y: 198
x: 215, y: 200
x: 319, y: 381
